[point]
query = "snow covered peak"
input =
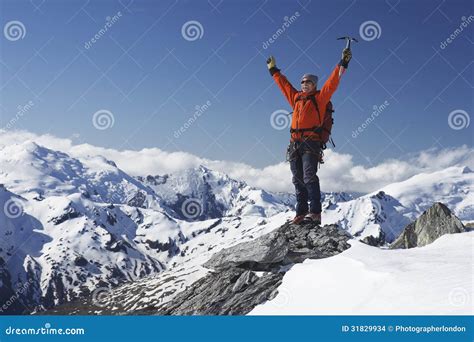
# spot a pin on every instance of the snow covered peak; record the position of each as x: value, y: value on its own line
x: 28, y: 167
x: 454, y: 186
x: 35, y: 171
x: 214, y: 194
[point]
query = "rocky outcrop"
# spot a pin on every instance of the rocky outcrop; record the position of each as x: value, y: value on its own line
x: 80, y: 261
x: 69, y: 213
x: 138, y: 200
x: 375, y: 241
x: 232, y: 291
x: 249, y: 273
x: 288, y: 244
x: 433, y: 223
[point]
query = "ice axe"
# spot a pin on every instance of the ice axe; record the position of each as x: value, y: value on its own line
x: 348, y: 40
x: 348, y: 46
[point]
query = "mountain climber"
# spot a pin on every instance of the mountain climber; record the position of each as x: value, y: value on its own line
x: 305, y: 148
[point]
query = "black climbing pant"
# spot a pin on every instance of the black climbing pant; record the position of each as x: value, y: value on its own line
x: 304, y: 157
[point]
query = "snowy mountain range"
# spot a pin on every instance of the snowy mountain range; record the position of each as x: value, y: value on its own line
x: 70, y: 226
x: 384, y: 213
x: 82, y: 227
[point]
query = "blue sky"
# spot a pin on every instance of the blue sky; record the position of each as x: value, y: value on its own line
x: 150, y: 78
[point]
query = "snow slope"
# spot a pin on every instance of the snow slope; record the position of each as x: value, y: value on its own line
x: 433, y: 280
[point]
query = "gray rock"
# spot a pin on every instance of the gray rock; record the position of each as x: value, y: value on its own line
x: 259, y: 254
x: 287, y: 245
x: 374, y: 241
x: 433, y: 223
x: 80, y: 261
x: 235, y: 289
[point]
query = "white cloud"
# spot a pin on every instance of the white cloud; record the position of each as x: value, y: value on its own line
x: 338, y: 173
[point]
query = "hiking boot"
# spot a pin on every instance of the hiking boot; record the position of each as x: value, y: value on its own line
x: 313, y: 218
x: 298, y: 219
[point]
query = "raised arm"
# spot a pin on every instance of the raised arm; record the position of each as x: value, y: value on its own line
x: 285, y: 86
x: 332, y: 82
x: 330, y: 85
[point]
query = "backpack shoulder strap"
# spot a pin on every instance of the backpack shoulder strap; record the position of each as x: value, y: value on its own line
x: 313, y: 99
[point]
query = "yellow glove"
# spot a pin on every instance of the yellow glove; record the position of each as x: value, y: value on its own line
x: 271, y: 63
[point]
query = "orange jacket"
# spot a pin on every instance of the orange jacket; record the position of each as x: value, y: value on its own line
x: 304, y: 111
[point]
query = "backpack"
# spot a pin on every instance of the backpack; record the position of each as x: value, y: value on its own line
x: 324, y: 131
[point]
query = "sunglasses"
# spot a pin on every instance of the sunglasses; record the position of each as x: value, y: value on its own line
x: 306, y: 81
